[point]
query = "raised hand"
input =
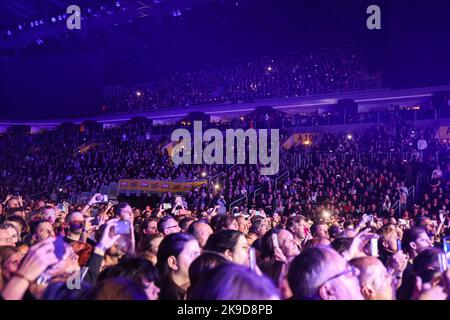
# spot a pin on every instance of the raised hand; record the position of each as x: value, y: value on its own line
x: 39, y: 258
x: 96, y: 198
x: 279, y: 256
x: 358, y: 244
x: 107, y: 240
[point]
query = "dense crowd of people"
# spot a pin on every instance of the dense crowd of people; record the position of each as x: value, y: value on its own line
x: 339, y: 226
x: 295, y: 75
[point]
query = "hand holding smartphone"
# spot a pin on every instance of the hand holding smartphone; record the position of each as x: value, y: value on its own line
x: 446, y: 247
x: 443, y: 262
x: 399, y: 244
x: 123, y: 227
x: 275, y: 240
x: 252, y: 255
x: 373, y: 247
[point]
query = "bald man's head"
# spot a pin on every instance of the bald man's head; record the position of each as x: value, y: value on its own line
x: 376, y: 283
x: 76, y: 222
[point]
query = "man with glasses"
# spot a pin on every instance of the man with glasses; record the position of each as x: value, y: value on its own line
x: 168, y: 225
x: 320, y: 273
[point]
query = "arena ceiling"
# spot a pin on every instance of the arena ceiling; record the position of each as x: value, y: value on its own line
x: 142, y: 38
x: 162, y: 34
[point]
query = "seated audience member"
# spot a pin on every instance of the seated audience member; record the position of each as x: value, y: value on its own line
x: 148, y: 247
x: 286, y: 249
x: 6, y: 239
x: 175, y: 254
x: 388, y: 242
x: 117, y: 289
x: 13, y: 233
x: 259, y: 227
x: 149, y: 226
x: 41, y: 230
x: 233, y: 282
x: 224, y: 222
x: 204, y: 263
x: 232, y: 244
x: 426, y: 272
x: 320, y: 230
x: 10, y: 258
x: 141, y: 271
x: 185, y: 223
x: 277, y: 272
x: 414, y: 241
x: 168, y: 225
x: 298, y: 225
x: 341, y: 244
x: 426, y: 224
x: 375, y: 281
x: 317, y: 242
x: 322, y: 274
x: 201, y: 231
x: 76, y: 223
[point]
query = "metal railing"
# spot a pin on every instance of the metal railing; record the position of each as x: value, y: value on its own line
x: 231, y: 167
x: 80, y: 147
x: 420, y: 177
x: 162, y: 144
x: 256, y: 192
x: 410, y: 200
x: 412, y: 190
x: 363, y: 157
x: 238, y: 202
x: 281, y: 177
x: 211, y: 179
